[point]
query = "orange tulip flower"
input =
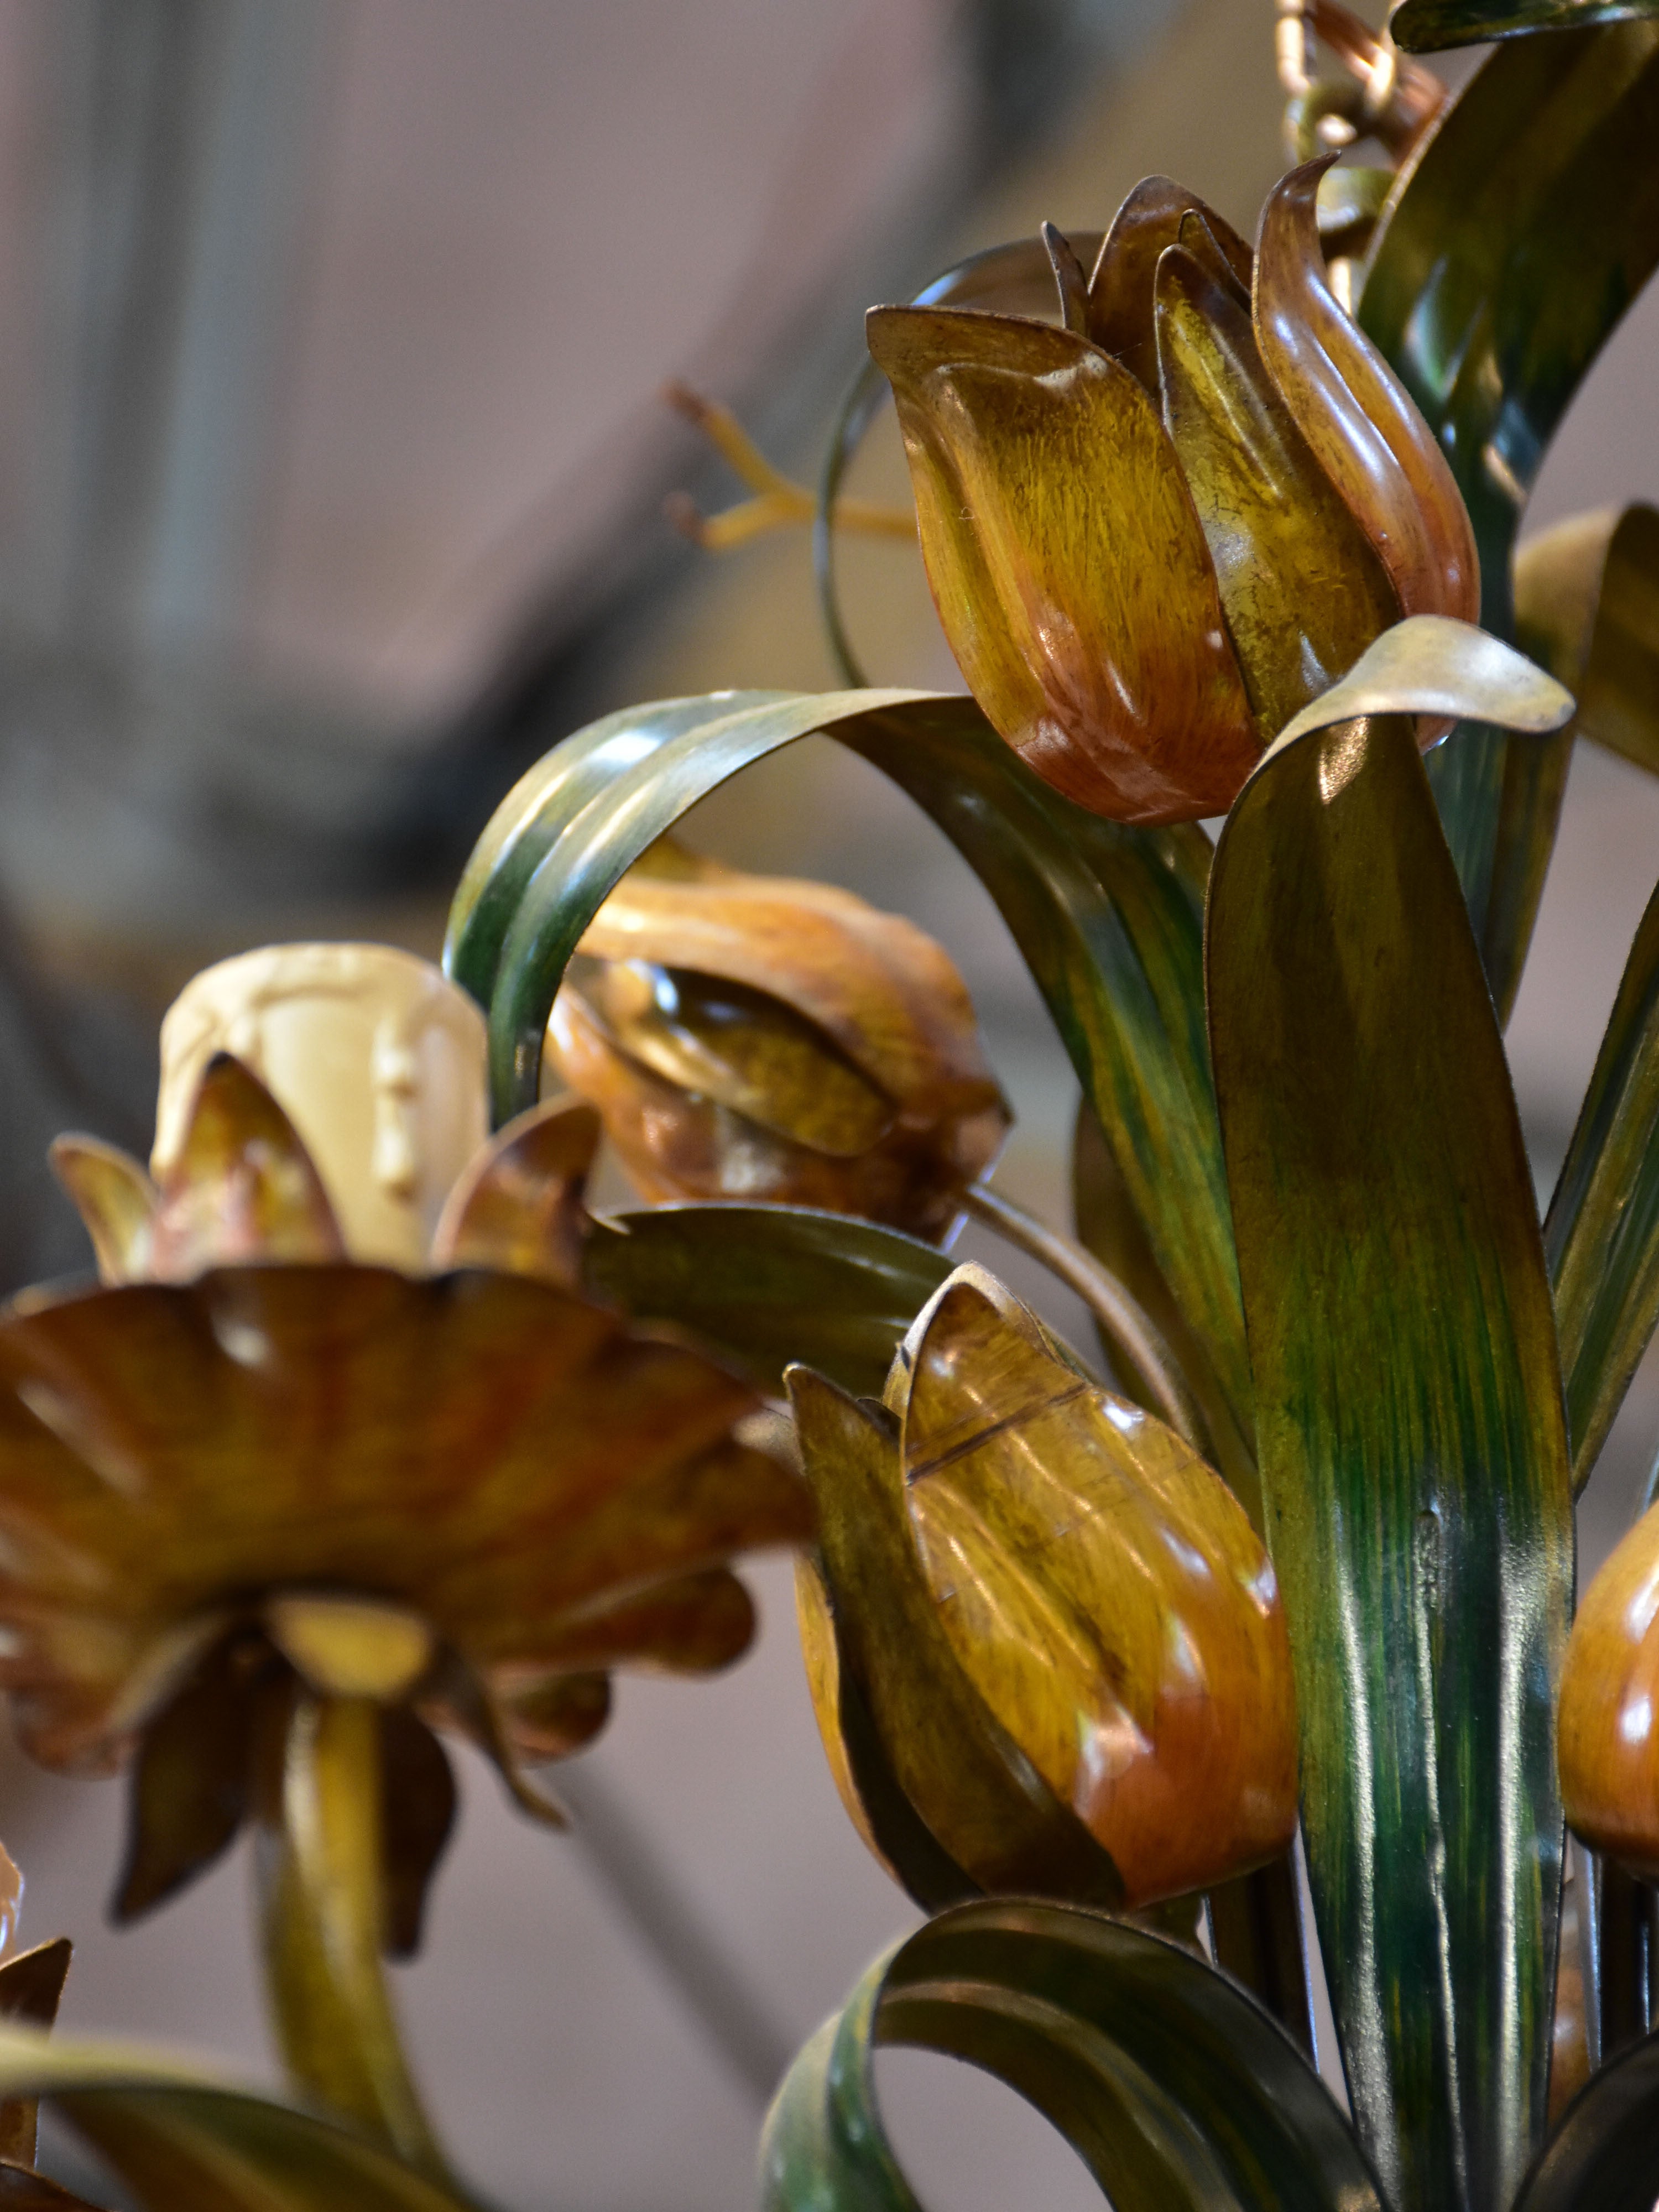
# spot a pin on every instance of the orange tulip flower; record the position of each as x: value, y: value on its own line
x: 1155, y: 533
x: 748, y: 1037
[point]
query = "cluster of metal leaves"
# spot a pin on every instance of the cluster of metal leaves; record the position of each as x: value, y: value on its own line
x: 1343, y: 1243
x: 1110, y: 920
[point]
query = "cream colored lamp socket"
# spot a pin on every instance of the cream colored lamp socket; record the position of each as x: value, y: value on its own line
x: 377, y: 1059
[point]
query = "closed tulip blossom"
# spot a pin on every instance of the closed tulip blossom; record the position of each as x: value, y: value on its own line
x: 751, y: 1037
x: 1156, y: 533
x: 1040, y: 1622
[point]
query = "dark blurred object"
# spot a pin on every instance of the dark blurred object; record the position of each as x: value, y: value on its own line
x: 347, y: 460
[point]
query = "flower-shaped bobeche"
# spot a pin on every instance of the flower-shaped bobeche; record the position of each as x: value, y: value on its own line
x: 255, y: 1464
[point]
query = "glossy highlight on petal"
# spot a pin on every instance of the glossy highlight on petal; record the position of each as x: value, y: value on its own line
x: 1610, y: 1722
x: 1067, y: 563
x: 1607, y: 1734
x: 1356, y: 415
x: 1302, y: 592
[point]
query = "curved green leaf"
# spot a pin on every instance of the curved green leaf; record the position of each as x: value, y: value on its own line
x: 1110, y: 921
x: 560, y: 783
x: 1586, y: 606
x: 767, y: 1284
x: 1107, y: 1225
x: 1178, y: 2093
x: 1604, y: 2157
x: 1411, y: 1444
x: 1428, y: 26
x: 184, y: 2141
x: 1602, y: 1231
x: 1525, y: 227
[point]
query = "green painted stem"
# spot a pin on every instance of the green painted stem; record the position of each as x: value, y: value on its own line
x: 323, y: 1906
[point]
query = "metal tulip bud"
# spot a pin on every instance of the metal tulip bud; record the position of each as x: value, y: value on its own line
x: 1046, y: 1647
x: 752, y: 1037
x: 1155, y: 533
x: 1607, y: 1730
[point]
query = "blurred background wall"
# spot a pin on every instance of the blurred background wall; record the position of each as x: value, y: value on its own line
x: 332, y: 457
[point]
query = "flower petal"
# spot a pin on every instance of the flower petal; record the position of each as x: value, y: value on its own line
x: 880, y: 988
x: 1304, y: 593
x: 1609, y: 1685
x: 676, y: 1145
x: 115, y: 1199
x: 418, y: 1800
x: 518, y: 1207
x: 242, y: 1187
x: 743, y: 1049
x: 1365, y: 429
x: 188, y: 1795
x: 1066, y: 563
x: 688, y: 1625
x: 485, y: 1450
x: 1152, y: 217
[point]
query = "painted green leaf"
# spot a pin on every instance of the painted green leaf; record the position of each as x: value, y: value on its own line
x: 1427, y: 26
x: 1587, y: 607
x: 563, y: 780
x: 767, y: 1284
x: 1411, y: 1444
x: 1110, y: 921
x: 1107, y: 1224
x: 1524, y: 230
x: 183, y: 2141
x: 1178, y: 2093
x: 1602, y: 1230
x: 1604, y: 2157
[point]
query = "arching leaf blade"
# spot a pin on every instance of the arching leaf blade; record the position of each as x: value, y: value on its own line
x: 1587, y: 608
x: 1175, y: 2089
x: 1411, y: 1443
x: 1602, y: 1234
x: 184, y: 2141
x: 1516, y: 241
x: 1109, y: 918
x: 1604, y: 2156
x: 515, y: 840
x: 1428, y: 26
x: 767, y: 1284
